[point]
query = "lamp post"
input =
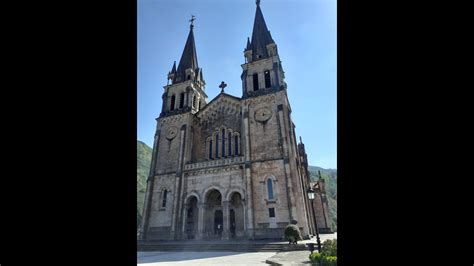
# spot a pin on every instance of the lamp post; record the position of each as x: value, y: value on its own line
x: 311, y: 198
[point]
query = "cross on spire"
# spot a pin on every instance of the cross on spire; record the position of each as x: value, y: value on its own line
x: 193, y: 18
x: 222, y: 86
x: 258, y: 2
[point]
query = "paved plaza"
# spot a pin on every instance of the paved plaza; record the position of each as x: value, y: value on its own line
x: 227, y: 258
x: 202, y: 258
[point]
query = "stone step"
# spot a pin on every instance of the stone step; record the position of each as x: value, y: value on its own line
x: 219, y: 247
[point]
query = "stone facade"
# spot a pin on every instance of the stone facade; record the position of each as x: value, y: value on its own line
x: 230, y: 168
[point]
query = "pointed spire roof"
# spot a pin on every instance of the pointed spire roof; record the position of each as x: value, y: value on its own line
x: 248, y: 44
x: 189, y: 56
x: 260, y: 35
x: 173, y: 70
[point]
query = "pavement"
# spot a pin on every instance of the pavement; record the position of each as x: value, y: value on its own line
x: 202, y: 258
x: 293, y: 258
x: 290, y: 258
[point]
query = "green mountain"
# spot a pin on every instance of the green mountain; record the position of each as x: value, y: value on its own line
x: 330, y: 178
x: 143, y: 168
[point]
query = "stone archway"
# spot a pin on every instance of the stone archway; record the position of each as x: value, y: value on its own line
x: 236, y: 215
x: 213, y: 217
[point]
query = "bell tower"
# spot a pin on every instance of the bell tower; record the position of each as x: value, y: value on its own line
x: 270, y: 150
x: 262, y: 71
x: 185, y: 89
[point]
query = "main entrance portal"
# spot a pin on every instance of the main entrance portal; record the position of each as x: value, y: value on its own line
x: 214, y: 218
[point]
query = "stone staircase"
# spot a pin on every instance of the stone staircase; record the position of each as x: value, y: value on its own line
x: 245, y: 246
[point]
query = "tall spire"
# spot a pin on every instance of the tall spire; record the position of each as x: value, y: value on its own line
x: 260, y: 35
x: 189, y: 56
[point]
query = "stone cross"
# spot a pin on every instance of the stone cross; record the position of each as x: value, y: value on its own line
x: 193, y: 18
x: 222, y: 86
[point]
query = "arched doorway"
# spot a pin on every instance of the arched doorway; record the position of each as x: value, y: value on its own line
x: 214, y: 220
x: 236, y: 213
x: 191, y: 212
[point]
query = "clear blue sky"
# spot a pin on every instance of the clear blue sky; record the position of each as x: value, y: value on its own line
x: 304, y: 31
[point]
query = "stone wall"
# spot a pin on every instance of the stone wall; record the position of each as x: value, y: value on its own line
x: 261, y: 172
x: 161, y: 216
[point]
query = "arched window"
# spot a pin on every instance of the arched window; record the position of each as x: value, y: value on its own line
x: 236, y: 141
x: 223, y: 143
x: 165, y: 194
x: 255, y: 82
x: 229, y: 138
x: 270, y: 189
x: 217, y: 145
x: 267, y: 79
x: 181, y: 100
x: 210, y: 149
x: 173, y: 100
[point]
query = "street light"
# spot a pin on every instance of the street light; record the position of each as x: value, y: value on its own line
x: 311, y: 198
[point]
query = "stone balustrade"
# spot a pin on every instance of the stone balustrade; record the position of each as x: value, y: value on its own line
x: 216, y: 162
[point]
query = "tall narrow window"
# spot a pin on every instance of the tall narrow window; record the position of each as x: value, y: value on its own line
x: 210, y: 149
x: 223, y: 143
x: 181, y: 100
x: 165, y: 194
x: 199, y: 105
x: 255, y: 82
x: 236, y: 141
x: 267, y: 79
x: 270, y: 189
x: 217, y: 145
x: 173, y: 100
x: 229, y: 138
x: 194, y: 101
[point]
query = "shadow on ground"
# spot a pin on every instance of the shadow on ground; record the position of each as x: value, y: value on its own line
x: 163, y: 256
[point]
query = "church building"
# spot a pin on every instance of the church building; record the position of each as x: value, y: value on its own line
x: 231, y: 167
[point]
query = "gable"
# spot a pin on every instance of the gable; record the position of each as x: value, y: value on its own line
x: 222, y: 105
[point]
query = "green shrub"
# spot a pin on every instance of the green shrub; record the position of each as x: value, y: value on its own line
x: 329, y: 248
x: 292, y: 233
x: 329, y: 261
x: 315, y: 257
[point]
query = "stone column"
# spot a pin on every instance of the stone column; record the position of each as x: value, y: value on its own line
x: 248, y: 175
x: 201, y: 210
x: 276, y: 84
x: 178, y: 185
x: 286, y: 162
x: 186, y: 98
x: 226, y: 218
x: 165, y: 102
x: 185, y: 218
x: 232, y: 146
